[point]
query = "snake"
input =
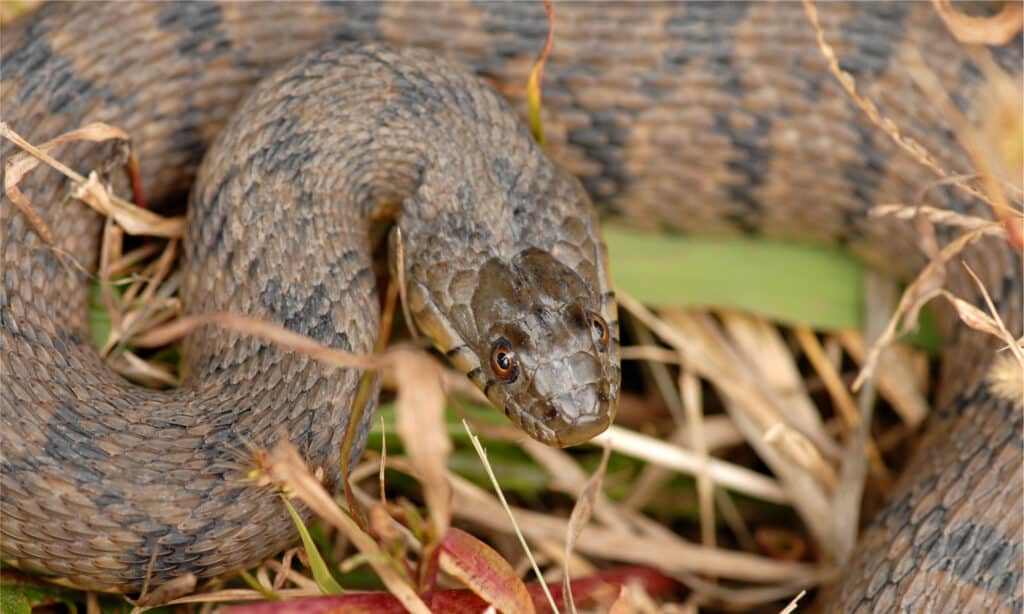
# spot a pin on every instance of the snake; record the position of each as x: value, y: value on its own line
x: 710, y: 118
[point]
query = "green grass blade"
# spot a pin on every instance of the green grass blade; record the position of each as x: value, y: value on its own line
x: 255, y: 585
x: 323, y: 576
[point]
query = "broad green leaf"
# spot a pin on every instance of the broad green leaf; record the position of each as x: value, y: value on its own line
x: 14, y: 601
x: 792, y: 283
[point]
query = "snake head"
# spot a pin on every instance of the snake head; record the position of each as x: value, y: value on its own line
x: 516, y: 292
x: 548, y: 347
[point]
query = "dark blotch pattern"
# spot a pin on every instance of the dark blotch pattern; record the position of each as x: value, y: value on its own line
x: 753, y: 156
x: 198, y: 26
x: 875, y: 32
x: 64, y: 415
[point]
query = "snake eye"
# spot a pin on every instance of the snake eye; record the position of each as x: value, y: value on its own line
x: 601, y: 333
x: 504, y: 362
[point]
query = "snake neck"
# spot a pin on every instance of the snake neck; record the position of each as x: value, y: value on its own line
x: 500, y: 244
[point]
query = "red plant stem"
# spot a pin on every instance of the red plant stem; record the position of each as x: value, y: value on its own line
x: 599, y: 589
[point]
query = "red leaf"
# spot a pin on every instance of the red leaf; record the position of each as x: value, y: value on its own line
x: 484, y: 571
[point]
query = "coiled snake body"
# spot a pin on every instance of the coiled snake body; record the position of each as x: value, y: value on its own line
x: 692, y: 117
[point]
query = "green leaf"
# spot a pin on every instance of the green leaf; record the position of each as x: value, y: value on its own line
x: 13, y: 601
x: 324, y: 579
x: 99, y: 317
x: 19, y: 596
x: 792, y: 283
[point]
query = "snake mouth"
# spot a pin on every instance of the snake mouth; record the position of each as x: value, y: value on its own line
x: 566, y: 420
x: 583, y: 432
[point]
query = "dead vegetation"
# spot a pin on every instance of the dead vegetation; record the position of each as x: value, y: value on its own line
x: 741, y: 395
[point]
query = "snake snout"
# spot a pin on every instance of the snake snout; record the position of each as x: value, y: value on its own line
x: 568, y: 418
x: 585, y: 414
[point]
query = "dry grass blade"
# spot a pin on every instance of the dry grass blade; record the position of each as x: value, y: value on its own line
x: 841, y: 398
x: 927, y: 285
x: 149, y: 300
x: 419, y: 411
x: 665, y: 550
x: 739, y: 598
x: 146, y: 373
x: 533, y: 84
x: 285, y: 574
x: 286, y: 468
x: 935, y: 215
x: 989, y: 323
x: 725, y: 474
x: 974, y: 317
x: 16, y: 167
x: 789, y: 454
x: 791, y: 607
x: 1004, y: 93
x: 168, y: 591
x: 657, y: 360
x: 719, y: 432
x: 268, y: 331
x: 578, y: 519
x: 568, y: 477
x: 689, y: 392
x: 776, y: 365
x: 999, y: 29
x: 133, y: 219
x: 900, y: 377
x: 633, y: 600
x: 805, y: 491
x: 397, y: 262
x: 887, y: 126
x: 111, y: 249
x: 649, y: 353
x: 242, y: 594
x: 128, y: 261
x: 507, y: 512
x: 707, y: 353
x: 860, y: 451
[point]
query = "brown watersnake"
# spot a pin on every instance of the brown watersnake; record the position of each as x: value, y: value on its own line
x: 718, y: 118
